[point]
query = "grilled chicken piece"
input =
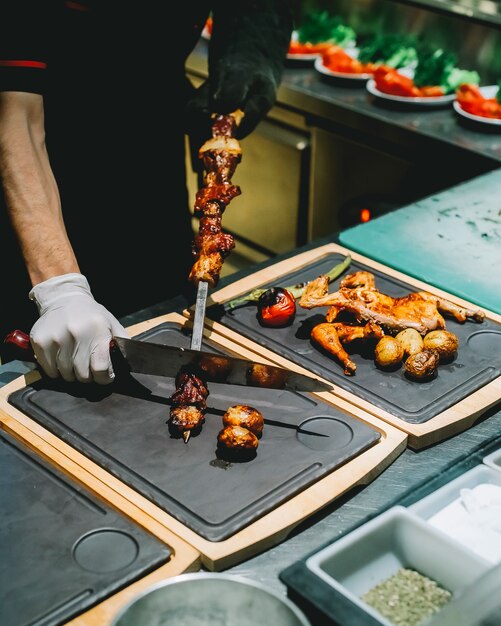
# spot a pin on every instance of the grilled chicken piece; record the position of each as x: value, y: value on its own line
x: 246, y: 417
x: 358, y: 279
x: 459, y: 313
x: 417, y: 310
x: 326, y: 335
x: 348, y: 333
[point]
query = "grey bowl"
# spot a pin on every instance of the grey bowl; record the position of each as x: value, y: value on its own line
x: 210, y: 599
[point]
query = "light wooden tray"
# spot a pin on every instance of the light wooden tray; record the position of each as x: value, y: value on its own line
x: 184, y: 558
x: 451, y: 421
x: 263, y: 533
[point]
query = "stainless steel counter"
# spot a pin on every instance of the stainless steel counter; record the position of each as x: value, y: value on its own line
x: 351, y: 110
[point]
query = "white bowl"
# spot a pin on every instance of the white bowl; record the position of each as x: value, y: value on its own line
x: 210, y: 599
x: 493, y: 460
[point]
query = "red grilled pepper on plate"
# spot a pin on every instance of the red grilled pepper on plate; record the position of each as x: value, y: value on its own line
x: 276, y: 307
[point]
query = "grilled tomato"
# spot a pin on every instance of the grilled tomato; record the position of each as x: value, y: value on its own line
x: 276, y: 307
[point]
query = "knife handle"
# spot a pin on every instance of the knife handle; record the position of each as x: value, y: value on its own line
x: 21, y: 341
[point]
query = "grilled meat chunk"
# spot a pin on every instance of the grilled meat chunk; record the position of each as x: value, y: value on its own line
x: 186, y: 417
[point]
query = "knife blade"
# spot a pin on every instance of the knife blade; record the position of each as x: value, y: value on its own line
x: 144, y: 357
x: 198, y: 320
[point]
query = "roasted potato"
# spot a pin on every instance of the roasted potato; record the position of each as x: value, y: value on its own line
x: 246, y: 417
x: 237, y: 437
x: 388, y: 352
x: 443, y: 341
x: 410, y: 340
x: 422, y: 364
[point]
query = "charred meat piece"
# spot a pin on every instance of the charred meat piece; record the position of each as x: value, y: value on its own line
x: 186, y: 417
x: 189, y: 402
x: 190, y: 389
x: 246, y: 417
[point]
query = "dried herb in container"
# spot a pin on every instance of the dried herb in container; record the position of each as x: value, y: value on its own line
x: 407, y: 598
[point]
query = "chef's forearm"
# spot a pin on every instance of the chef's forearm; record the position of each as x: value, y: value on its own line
x: 30, y: 190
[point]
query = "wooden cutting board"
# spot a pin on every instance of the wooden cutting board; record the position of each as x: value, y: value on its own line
x: 265, y: 531
x: 461, y: 393
x: 184, y: 558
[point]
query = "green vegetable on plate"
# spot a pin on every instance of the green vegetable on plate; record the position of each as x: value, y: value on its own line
x: 322, y: 27
x: 437, y: 67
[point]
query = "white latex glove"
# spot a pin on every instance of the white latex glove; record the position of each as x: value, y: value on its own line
x: 72, y: 336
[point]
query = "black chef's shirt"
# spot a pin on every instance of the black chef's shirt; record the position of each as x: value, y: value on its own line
x: 114, y: 87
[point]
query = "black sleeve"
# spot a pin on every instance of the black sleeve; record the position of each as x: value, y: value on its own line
x: 24, y: 33
x: 247, y: 53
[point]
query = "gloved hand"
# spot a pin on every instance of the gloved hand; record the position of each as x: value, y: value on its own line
x: 247, y: 53
x: 72, y: 336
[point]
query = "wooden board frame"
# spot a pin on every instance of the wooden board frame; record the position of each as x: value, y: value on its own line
x: 184, y: 558
x: 268, y: 530
x: 453, y: 420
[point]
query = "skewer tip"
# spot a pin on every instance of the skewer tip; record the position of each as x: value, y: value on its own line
x: 186, y: 435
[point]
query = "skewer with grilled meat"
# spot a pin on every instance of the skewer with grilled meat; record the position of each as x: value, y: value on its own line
x: 358, y: 295
x: 220, y: 156
x: 189, y: 402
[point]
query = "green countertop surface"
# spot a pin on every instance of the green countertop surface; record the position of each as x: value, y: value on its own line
x: 451, y: 240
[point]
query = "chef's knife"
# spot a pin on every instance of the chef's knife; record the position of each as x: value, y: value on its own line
x: 144, y: 357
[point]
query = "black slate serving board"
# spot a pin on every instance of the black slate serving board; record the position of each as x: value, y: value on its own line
x: 477, y: 363
x: 123, y: 427
x: 62, y: 549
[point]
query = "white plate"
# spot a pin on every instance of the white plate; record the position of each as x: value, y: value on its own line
x: 430, y: 101
x: 323, y: 69
x: 313, y: 55
x: 489, y: 91
x: 304, y: 57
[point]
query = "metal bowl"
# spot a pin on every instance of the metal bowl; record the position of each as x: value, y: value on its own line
x: 209, y: 599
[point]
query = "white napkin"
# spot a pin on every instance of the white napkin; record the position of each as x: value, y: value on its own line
x: 474, y: 519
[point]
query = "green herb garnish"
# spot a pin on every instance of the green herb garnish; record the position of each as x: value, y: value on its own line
x: 407, y: 598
